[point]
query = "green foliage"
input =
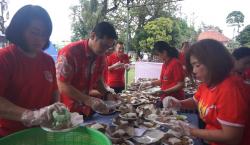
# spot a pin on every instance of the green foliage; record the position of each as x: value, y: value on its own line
x: 235, y: 18
x: 143, y: 31
x: 157, y: 30
x: 244, y: 36
x: 172, y: 30
x: 84, y: 17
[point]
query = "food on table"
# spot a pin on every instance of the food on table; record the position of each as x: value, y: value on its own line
x: 61, y: 119
x: 99, y: 126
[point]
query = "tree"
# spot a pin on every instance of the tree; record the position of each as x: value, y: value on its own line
x: 156, y: 30
x: 235, y: 18
x: 172, y: 30
x: 87, y: 14
x: 244, y: 36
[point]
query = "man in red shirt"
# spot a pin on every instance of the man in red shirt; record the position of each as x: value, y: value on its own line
x: 117, y: 64
x: 80, y: 68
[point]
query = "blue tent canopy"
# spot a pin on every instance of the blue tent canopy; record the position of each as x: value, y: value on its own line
x: 52, y: 51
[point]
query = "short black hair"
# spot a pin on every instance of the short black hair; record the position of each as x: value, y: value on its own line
x: 21, y: 21
x: 161, y: 46
x: 120, y: 42
x: 241, y: 52
x: 105, y: 29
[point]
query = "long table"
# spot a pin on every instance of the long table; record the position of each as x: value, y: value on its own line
x: 107, y: 119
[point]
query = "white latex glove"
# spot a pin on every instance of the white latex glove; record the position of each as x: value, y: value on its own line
x: 110, y: 90
x: 41, y: 116
x: 170, y: 102
x: 145, y: 84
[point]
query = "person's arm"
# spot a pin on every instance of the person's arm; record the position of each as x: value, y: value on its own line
x: 227, y: 135
x: 175, y: 88
x: 102, y: 87
x: 188, y: 104
x: 156, y: 83
x: 116, y: 66
x: 10, y: 111
x: 72, y: 92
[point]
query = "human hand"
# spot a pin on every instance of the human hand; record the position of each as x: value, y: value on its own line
x: 145, y: 84
x: 118, y: 65
x: 110, y: 90
x: 170, y: 102
x: 41, y: 116
x: 158, y: 93
x: 185, y: 128
x: 98, y: 105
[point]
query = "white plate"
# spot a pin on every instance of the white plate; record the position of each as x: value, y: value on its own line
x: 150, y: 136
x: 76, y: 120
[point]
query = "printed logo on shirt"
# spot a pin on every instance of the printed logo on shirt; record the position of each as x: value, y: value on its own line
x: 48, y: 76
x: 202, y: 109
x: 63, y: 67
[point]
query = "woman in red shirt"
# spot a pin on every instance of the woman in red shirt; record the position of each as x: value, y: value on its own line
x: 27, y: 75
x: 220, y: 97
x: 172, y: 74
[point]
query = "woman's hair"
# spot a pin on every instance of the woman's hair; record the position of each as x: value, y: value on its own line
x: 21, y: 21
x: 214, y: 56
x: 161, y: 46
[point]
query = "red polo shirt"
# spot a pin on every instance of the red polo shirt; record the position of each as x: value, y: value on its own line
x: 26, y: 82
x: 116, y: 76
x: 224, y: 104
x: 172, y: 73
x: 74, y: 66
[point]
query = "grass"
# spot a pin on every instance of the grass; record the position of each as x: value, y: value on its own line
x: 131, y: 76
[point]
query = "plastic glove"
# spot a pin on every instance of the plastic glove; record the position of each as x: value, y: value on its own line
x: 170, y: 102
x: 145, y: 84
x: 110, y: 90
x: 41, y: 116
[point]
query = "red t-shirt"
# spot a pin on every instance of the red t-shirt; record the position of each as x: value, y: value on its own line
x: 223, y: 104
x: 26, y: 82
x: 172, y: 73
x: 74, y: 67
x: 182, y: 58
x: 116, y: 76
x: 246, y: 76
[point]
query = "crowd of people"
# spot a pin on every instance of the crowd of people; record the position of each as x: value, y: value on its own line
x: 91, y: 70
